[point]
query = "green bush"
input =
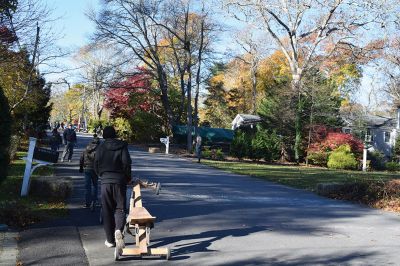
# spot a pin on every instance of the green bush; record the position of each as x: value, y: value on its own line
x: 219, y: 155
x: 146, y: 127
x: 95, y: 123
x: 318, y: 157
x: 377, y: 160
x: 239, y: 145
x: 123, y: 129
x: 266, y: 145
x: 342, y: 158
x: 5, y: 134
x: 206, y: 153
x: 392, y: 166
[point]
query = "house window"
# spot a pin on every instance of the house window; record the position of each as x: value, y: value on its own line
x: 347, y: 130
x: 387, y: 136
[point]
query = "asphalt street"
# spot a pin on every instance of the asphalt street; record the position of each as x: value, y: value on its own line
x: 210, y: 217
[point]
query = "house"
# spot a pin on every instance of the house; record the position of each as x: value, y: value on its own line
x: 243, y: 120
x: 381, y: 132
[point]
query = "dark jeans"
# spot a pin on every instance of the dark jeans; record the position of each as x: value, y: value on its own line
x: 69, y: 148
x: 90, y: 180
x: 113, y: 198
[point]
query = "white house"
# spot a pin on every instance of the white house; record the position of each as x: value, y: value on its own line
x: 245, y: 120
x: 380, y: 131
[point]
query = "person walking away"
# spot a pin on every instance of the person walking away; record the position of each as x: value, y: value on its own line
x: 55, y: 140
x: 69, y: 136
x: 91, y: 180
x: 112, y: 164
x: 198, y: 148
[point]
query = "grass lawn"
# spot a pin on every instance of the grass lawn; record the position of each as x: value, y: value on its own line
x: 20, y: 212
x: 298, y: 177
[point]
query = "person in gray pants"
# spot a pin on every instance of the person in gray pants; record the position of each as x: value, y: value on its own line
x: 69, y: 137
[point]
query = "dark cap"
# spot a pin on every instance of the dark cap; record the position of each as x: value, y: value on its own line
x: 109, y: 132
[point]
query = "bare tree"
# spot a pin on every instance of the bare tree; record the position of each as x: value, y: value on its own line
x: 168, y: 37
x: 130, y: 24
x: 99, y: 65
x: 307, y: 29
x: 189, y: 35
x: 254, y: 48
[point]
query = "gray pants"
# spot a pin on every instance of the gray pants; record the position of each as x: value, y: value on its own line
x: 69, y: 148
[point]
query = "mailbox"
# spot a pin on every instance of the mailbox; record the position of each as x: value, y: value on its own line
x: 46, y: 155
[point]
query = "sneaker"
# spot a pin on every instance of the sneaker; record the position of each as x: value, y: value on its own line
x: 85, y: 206
x: 69, y: 161
x: 109, y: 245
x: 119, y: 241
x: 62, y: 160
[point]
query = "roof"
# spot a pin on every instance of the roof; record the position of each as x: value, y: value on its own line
x: 373, y: 121
x: 245, y: 119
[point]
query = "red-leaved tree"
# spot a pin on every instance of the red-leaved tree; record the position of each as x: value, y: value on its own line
x: 126, y: 97
x: 334, y: 140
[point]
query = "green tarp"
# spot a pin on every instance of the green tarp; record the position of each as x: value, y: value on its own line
x: 209, y: 135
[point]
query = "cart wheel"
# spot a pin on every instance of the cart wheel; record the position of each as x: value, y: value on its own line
x: 116, y: 254
x: 168, y: 256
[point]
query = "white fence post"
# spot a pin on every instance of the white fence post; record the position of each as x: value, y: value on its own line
x: 364, y: 167
x: 28, y: 167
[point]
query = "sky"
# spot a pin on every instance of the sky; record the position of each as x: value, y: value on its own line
x: 72, y: 21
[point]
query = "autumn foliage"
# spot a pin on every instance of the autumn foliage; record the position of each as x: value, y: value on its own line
x: 126, y: 97
x: 334, y: 140
x: 319, y: 152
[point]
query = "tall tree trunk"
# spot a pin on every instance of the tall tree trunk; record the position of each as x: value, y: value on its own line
x: 196, y: 97
x: 298, y: 124
x: 189, y: 111
x: 163, y: 83
x: 254, y: 88
x: 183, y: 96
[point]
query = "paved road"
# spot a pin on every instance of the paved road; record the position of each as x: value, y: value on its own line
x: 209, y: 217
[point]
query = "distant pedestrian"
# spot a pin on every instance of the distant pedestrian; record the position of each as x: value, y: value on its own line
x: 55, y: 140
x: 198, y: 148
x: 69, y: 136
x: 86, y: 166
x: 112, y: 164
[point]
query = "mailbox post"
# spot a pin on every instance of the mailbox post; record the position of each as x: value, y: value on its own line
x: 28, y: 167
x: 166, y: 142
x: 38, y: 155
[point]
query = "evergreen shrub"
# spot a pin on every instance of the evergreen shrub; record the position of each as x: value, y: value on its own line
x: 342, y: 158
x: 240, y: 145
x: 377, y: 160
x: 392, y: 166
x: 266, y: 145
x: 319, y: 158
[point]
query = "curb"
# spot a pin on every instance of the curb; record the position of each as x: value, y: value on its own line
x: 8, y: 248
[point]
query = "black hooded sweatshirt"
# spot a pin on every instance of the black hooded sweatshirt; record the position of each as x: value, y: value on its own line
x: 87, y: 157
x: 112, y: 162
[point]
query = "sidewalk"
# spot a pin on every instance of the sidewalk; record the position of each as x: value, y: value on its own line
x: 58, y: 242
x: 8, y: 248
